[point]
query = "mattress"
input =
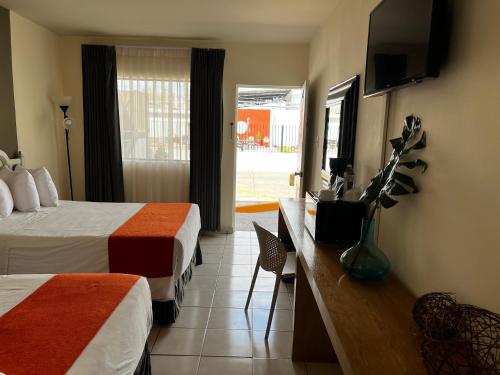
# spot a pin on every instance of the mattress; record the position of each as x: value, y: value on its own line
x: 118, y: 345
x: 73, y: 238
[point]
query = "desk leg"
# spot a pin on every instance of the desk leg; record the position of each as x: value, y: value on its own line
x: 311, y: 342
x: 283, y: 233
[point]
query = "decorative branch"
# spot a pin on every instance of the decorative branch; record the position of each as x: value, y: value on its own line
x: 390, y: 182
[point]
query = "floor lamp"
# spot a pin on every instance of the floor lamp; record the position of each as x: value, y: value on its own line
x: 64, y: 102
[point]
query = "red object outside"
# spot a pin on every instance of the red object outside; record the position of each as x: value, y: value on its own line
x: 258, y: 126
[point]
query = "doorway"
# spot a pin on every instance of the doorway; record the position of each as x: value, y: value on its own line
x: 268, y: 135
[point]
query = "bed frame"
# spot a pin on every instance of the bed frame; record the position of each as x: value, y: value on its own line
x: 167, y: 312
x: 5, y: 161
x: 144, y: 365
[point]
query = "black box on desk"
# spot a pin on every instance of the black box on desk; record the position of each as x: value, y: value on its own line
x: 334, y: 222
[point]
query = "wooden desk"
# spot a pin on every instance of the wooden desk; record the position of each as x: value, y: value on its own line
x: 366, y: 326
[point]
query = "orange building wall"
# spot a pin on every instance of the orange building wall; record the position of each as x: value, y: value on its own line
x: 259, y: 125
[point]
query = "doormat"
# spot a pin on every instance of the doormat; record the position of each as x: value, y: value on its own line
x: 261, y: 207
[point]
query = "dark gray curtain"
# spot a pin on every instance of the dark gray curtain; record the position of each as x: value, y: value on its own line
x: 207, y: 67
x: 348, y: 120
x: 103, y: 155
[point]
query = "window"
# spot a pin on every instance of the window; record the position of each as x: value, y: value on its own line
x: 154, y: 98
x: 153, y: 94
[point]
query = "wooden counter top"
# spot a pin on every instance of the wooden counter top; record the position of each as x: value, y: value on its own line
x: 369, y: 323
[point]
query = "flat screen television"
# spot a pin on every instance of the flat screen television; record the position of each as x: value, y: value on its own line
x: 406, y: 43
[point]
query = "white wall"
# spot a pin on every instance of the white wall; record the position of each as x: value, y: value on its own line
x: 37, y: 77
x: 246, y: 63
x: 445, y: 238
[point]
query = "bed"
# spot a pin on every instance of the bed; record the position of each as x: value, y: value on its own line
x: 73, y: 238
x: 78, y: 237
x: 98, y: 324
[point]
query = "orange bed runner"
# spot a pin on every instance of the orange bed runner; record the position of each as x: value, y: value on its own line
x: 45, y: 333
x: 144, y: 245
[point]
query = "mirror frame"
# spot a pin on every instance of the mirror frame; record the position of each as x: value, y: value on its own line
x: 337, y: 94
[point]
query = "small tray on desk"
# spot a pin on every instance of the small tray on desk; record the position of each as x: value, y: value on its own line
x: 333, y: 222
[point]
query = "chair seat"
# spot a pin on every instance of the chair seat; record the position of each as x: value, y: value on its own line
x: 290, y: 265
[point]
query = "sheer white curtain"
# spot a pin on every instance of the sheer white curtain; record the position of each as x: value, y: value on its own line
x: 153, y: 95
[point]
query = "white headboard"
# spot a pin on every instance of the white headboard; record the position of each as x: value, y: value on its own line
x: 5, y: 161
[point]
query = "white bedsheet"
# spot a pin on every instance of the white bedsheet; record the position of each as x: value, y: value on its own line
x: 73, y: 238
x: 118, y: 346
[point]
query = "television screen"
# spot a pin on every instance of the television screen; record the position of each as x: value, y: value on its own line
x: 405, y: 43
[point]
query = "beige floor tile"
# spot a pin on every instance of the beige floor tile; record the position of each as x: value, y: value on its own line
x: 179, y: 341
x: 290, y: 287
x: 212, y: 241
x: 266, y: 284
x: 263, y: 273
x: 239, y: 240
x: 213, y: 258
x: 279, y: 345
x: 239, y: 270
x: 255, y: 250
x: 178, y: 365
x: 224, y: 318
x: 227, y: 343
x: 324, y: 369
x: 282, y: 320
x: 278, y: 367
x: 153, y: 334
x: 206, y: 269
x: 192, y: 317
x: 262, y: 300
x: 240, y: 234
x: 212, y: 249
x: 202, y: 283
x: 237, y: 249
x: 197, y: 298
x: 230, y: 298
x: 233, y: 283
x: 229, y: 366
x: 291, y: 297
x: 236, y: 259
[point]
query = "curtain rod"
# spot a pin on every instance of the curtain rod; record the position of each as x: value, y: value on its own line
x: 156, y: 47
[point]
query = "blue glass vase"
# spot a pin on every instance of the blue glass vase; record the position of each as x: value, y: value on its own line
x: 365, y: 260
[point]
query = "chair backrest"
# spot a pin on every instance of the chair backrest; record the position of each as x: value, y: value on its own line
x: 272, y: 251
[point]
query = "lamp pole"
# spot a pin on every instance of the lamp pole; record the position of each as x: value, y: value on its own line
x: 67, y: 125
x: 69, y: 163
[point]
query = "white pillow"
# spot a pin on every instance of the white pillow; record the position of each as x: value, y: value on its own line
x: 47, y: 191
x: 6, y: 201
x: 23, y: 189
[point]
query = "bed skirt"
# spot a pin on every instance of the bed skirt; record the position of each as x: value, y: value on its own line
x: 144, y: 366
x: 165, y: 312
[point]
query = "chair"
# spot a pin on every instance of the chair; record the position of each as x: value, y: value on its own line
x: 273, y: 257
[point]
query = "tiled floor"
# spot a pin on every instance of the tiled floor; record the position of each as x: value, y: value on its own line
x: 269, y: 220
x: 214, y: 334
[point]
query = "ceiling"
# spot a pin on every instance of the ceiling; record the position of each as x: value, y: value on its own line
x: 230, y: 20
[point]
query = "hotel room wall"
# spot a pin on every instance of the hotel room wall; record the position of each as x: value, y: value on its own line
x: 445, y: 238
x: 37, y: 78
x: 246, y: 63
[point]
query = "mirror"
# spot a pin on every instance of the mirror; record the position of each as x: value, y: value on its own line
x: 340, y: 125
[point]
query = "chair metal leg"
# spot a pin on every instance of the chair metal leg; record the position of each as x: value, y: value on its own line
x: 273, y: 304
x: 257, y: 266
